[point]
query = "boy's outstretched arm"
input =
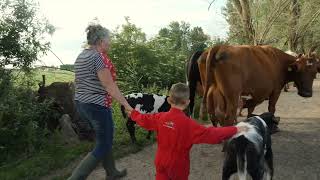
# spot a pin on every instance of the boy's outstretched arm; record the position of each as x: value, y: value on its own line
x: 211, y: 135
x: 147, y: 121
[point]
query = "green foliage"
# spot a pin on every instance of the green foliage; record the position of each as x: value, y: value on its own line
x: 23, y: 123
x: 159, y: 61
x: 67, y: 67
x: 272, y: 21
x: 54, y: 156
x: 23, y: 120
x: 22, y: 33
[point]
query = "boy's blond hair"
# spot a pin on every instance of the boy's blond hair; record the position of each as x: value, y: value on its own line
x: 179, y: 93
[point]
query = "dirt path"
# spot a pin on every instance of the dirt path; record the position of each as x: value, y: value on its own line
x: 296, y: 148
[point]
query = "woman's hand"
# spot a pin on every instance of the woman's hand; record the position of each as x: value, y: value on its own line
x: 128, y: 109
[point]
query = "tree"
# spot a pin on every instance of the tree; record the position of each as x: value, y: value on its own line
x: 243, y: 9
x: 173, y: 45
x: 22, y: 33
x: 159, y: 61
x: 22, y: 119
x: 286, y: 24
x: 133, y: 58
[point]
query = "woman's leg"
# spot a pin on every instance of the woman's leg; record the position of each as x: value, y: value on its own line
x: 108, y: 161
x: 98, y: 118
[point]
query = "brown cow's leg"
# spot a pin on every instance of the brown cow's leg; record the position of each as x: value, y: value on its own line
x: 240, y: 112
x: 240, y: 106
x: 214, y: 120
x: 273, y: 100
x: 211, y: 106
x: 201, y: 111
x: 251, y: 106
x: 250, y: 110
x: 272, y: 107
x: 286, y: 87
x: 231, y: 117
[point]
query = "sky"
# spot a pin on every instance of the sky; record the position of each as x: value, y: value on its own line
x: 71, y: 17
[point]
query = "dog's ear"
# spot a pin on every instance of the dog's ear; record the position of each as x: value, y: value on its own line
x: 268, y: 118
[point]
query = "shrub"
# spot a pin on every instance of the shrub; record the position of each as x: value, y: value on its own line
x: 23, y: 122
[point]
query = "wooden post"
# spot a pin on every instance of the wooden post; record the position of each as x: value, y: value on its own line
x: 43, y: 80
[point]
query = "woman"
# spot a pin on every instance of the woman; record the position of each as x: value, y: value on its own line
x: 95, y: 87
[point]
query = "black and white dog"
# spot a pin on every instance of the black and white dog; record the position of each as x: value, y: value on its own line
x: 144, y: 103
x: 251, y: 152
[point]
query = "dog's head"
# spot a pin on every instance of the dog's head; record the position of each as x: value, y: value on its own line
x: 271, y: 121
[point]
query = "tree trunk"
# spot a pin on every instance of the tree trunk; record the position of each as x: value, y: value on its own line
x: 313, y: 48
x: 243, y: 9
x: 295, y: 15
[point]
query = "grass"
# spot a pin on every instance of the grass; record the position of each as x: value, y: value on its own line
x: 56, y: 155
x: 54, y: 76
x: 122, y: 143
x: 51, y: 76
x: 196, y: 110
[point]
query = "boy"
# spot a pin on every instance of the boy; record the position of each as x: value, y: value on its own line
x: 176, y: 133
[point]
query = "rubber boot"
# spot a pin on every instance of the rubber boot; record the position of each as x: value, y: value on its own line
x: 86, y: 166
x: 108, y: 164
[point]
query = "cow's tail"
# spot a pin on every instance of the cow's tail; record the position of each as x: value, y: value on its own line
x: 191, y: 78
x: 123, y: 111
x: 241, y: 144
x: 209, y: 74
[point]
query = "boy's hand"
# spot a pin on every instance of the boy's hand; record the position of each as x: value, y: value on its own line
x: 242, y: 128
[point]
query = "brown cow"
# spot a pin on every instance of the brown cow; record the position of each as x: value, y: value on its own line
x: 62, y: 94
x: 195, y: 85
x: 258, y: 71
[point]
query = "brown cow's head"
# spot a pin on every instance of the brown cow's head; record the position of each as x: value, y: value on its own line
x: 317, y: 58
x: 304, y: 71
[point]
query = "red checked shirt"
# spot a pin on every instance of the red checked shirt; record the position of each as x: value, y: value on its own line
x: 176, y: 133
x: 108, y: 64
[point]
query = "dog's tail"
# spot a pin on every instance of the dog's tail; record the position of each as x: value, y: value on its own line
x: 241, y: 144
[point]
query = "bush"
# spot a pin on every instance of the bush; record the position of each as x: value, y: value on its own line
x: 67, y: 67
x: 23, y: 123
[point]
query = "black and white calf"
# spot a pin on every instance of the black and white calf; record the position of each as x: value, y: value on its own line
x: 144, y: 103
x: 251, y: 152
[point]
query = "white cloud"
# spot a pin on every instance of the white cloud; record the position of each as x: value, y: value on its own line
x: 72, y: 16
